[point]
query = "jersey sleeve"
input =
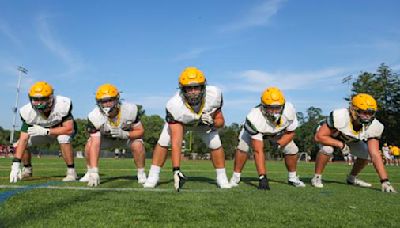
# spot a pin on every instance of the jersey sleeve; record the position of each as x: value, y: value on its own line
x: 69, y: 116
x: 330, y: 121
x: 250, y: 128
x: 90, y: 128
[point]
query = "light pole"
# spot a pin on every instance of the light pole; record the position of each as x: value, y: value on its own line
x: 21, y: 70
x: 347, y: 80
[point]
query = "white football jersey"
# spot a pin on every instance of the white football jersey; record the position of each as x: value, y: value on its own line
x: 126, y: 119
x: 61, y: 108
x: 179, y: 111
x: 257, y: 123
x: 340, y: 120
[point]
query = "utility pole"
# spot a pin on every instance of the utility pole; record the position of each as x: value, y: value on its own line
x: 21, y: 70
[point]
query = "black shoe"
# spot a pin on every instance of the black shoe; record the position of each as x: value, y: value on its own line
x: 263, y: 183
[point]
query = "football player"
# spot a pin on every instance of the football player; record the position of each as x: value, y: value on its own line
x: 45, y: 119
x: 356, y: 131
x: 275, y: 120
x: 195, y: 107
x: 113, y: 124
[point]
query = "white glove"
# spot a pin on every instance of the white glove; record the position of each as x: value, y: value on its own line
x: 38, y: 130
x: 345, y: 149
x: 387, y: 187
x: 94, y: 178
x: 119, y: 133
x: 15, y: 173
x: 207, y: 119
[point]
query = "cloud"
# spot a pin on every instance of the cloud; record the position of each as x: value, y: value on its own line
x: 191, y: 54
x: 9, y: 34
x: 73, y: 62
x: 257, y: 80
x: 259, y: 15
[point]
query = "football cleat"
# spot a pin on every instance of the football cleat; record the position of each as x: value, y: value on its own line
x: 296, y: 182
x: 85, y: 178
x: 71, y: 176
x: 234, y: 182
x: 317, y: 182
x: 179, y: 180
x: 26, y: 172
x: 355, y: 181
x: 141, y: 178
x: 151, y: 182
x: 263, y: 183
x: 223, y: 182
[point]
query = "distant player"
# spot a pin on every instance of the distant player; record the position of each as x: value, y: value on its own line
x: 356, y: 131
x: 387, y: 154
x: 196, y: 107
x: 273, y: 119
x: 113, y: 124
x: 45, y: 119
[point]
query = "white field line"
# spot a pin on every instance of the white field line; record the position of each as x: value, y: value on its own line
x: 110, y: 189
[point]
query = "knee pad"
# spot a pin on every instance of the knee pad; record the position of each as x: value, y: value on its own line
x: 291, y: 148
x: 327, y: 150
x: 64, y: 139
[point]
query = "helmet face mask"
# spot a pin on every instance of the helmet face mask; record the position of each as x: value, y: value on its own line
x: 363, y: 116
x: 272, y: 112
x: 41, y: 104
x: 193, y: 94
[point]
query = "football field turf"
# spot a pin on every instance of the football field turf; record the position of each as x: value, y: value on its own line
x: 119, y: 201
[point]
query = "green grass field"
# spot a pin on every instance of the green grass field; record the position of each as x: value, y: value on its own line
x: 44, y: 201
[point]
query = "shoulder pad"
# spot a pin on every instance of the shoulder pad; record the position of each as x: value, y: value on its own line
x: 341, y: 118
x: 214, y: 95
x: 130, y: 110
x: 375, y: 130
x: 97, y: 118
x: 27, y: 112
x: 289, y: 111
x: 62, y: 105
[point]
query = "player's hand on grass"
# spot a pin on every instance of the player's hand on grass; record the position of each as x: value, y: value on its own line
x: 15, y: 173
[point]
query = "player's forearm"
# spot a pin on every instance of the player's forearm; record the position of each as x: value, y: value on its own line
x: 63, y: 130
x: 136, y: 134
x: 328, y: 141
x: 21, y: 147
x: 286, y: 138
x: 94, y: 151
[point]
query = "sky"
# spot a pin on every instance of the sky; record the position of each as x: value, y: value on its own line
x: 304, y: 47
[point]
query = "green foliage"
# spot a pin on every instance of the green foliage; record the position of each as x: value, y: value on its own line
x: 153, y: 125
x: 229, y: 137
x: 305, y: 132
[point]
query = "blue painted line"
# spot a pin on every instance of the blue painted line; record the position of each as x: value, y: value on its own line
x: 6, y: 195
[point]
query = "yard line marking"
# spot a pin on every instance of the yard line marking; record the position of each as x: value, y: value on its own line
x: 47, y: 186
x: 5, y: 195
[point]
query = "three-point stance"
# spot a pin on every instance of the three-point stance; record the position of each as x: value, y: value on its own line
x: 274, y: 119
x: 356, y: 131
x: 196, y: 107
x: 113, y: 124
x: 46, y: 119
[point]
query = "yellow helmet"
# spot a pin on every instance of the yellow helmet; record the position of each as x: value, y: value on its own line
x: 365, y: 102
x: 107, y: 93
x: 272, y: 96
x: 272, y: 103
x: 189, y: 78
x: 363, y: 108
x: 41, y: 96
x: 41, y: 89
